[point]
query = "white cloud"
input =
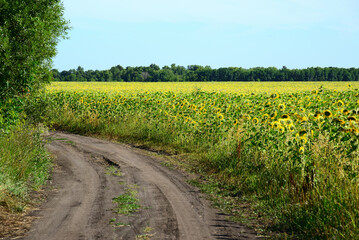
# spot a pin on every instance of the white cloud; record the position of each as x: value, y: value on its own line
x: 260, y: 13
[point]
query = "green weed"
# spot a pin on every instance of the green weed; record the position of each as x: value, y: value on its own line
x: 114, y: 171
x: 127, y: 203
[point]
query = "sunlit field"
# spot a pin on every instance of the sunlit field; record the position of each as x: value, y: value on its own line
x: 290, y: 147
x: 224, y: 87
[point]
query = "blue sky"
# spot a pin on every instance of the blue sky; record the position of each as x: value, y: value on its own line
x: 218, y: 33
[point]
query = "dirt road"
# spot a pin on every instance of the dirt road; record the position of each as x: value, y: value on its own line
x: 91, y: 172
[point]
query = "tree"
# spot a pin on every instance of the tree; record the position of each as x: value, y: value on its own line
x: 29, y: 33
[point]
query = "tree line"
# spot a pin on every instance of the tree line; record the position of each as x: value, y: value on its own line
x: 197, y: 73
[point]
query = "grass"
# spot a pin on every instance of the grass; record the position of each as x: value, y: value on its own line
x: 127, y: 203
x: 146, y: 234
x: 24, y: 166
x: 113, y: 171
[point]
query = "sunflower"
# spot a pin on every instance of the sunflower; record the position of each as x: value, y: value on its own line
x: 220, y: 116
x: 351, y: 118
x: 327, y: 114
x: 246, y: 117
x: 304, y: 119
x: 291, y: 127
x: 281, y: 107
x: 275, y: 95
x: 273, y: 115
x: 355, y: 131
x: 302, y: 133
x: 340, y: 121
x: 317, y: 115
x: 285, y: 116
x: 289, y: 121
x: 255, y: 120
x: 303, y: 140
x: 235, y: 122
x: 345, y: 111
x: 340, y: 103
x: 281, y: 129
x: 265, y: 117
x: 320, y: 119
x: 276, y: 124
x: 267, y: 104
x: 315, y: 91
x: 301, y: 150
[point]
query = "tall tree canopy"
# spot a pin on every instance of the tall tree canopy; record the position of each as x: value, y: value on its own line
x: 192, y: 73
x: 29, y: 33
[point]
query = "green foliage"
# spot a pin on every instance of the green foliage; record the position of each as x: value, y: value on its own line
x: 10, y: 113
x: 24, y: 165
x: 196, y: 73
x: 29, y: 33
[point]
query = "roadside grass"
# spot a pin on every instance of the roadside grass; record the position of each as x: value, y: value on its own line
x: 24, y: 166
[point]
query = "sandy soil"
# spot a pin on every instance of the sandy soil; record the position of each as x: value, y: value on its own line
x: 80, y: 202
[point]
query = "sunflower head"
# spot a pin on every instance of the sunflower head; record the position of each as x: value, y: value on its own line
x: 327, y: 114
x: 276, y: 124
x: 315, y: 91
x: 340, y: 103
x: 255, y: 120
x: 303, y: 140
x: 281, y: 129
x: 302, y: 133
x: 291, y: 127
x: 273, y: 114
x: 281, y: 107
x: 301, y: 150
x: 275, y: 95
x: 320, y: 119
x: 352, y: 118
x: 220, y: 116
x: 338, y: 120
x: 285, y: 116
x: 317, y: 115
x: 265, y: 116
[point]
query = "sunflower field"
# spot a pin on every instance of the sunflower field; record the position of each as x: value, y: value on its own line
x: 295, y: 151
